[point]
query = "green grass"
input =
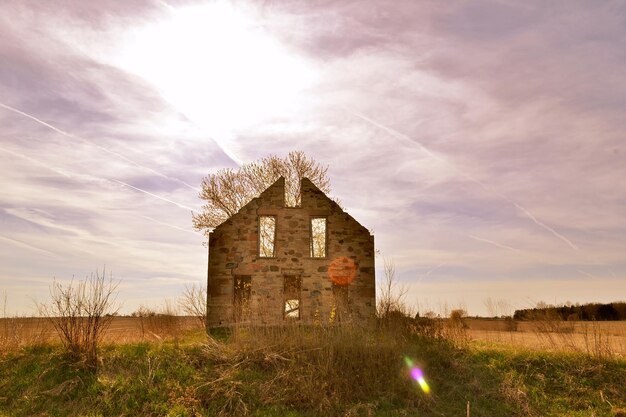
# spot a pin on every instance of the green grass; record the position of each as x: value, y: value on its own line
x: 559, y: 384
x: 308, y: 372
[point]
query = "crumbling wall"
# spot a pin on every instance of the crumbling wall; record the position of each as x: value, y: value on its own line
x: 339, y: 286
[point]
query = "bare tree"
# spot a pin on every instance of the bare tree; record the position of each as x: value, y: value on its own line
x: 193, y: 302
x: 81, y: 312
x: 227, y: 190
x: 390, y: 295
x: 318, y: 237
x: 267, y: 236
x: 498, y: 307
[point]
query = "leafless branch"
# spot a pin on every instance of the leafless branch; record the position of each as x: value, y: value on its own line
x: 81, y: 312
x: 193, y: 302
x: 227, y: 190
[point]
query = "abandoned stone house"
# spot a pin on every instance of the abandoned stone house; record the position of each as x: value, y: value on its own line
x: 271, y: 264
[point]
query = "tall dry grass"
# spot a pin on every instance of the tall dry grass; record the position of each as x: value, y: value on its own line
x: 10, y: 329
x: 160, y: 323
x: 561, y: 334
x: 594, y: 339
x: 315, y: 368
x: 17, y: 332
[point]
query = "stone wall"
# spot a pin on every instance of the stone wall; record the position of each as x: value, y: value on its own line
x: 340, y: 286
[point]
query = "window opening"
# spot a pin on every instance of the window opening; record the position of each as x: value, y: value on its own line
x: 341, y: 302
x: 241, y: 300
x: 293, y: 284
x: 318, y: 237
x: 267, y: 236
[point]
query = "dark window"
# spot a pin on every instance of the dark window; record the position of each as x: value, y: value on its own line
x: 241, y: 300
x: 341, y: 302
x: 293, y: 285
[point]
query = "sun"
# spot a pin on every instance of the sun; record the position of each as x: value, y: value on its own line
x: 217, y: 66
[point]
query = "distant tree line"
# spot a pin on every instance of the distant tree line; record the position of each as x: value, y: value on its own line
x: 591, y: 311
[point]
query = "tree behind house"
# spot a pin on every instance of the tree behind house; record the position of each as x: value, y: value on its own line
x: 227, y: 190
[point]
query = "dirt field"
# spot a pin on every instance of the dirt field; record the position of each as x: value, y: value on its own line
x: 25, y: 331
x: 595, y: 338
x: 602, y: 338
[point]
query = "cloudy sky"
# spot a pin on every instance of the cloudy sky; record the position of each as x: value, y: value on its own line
x: 483, y: 142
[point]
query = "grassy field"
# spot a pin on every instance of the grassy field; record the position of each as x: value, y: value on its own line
x: 594, y: 338
x: 306, y: 371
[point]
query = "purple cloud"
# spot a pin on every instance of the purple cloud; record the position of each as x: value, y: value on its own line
x: 482, y: 142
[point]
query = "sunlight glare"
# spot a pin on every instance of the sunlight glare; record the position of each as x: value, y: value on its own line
x: 216, y: 66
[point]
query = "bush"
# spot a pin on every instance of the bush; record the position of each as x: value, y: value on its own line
x: 193, y: 302
x: 80, y: 313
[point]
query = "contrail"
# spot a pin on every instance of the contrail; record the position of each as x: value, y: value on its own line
x: 586, y: 273
x: 427, y: 151
x: 411, y: 142
x: 430, y: 271
x: 394, y: 133
x: 102, y: 148
x: 34, y: 118
x: 219, y: 144
x: 34, y: 217
x: 172, y: 226
x: 554, y: 232
x: 153, y: 195
x: 86, y: 177
x: 491, y: 242
x: 27, y: 245
x: 36, y: 162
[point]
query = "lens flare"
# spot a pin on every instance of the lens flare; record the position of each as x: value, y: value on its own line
x: 417, y: 375
x: 342, y: 271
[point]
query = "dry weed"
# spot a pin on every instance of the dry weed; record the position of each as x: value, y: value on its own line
x: 159, y: 324
x: 81, y: 312
x: 308, y: 365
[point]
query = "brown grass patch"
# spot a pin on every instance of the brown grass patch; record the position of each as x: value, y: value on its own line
x: 23, y: 331
x: 600, y: 339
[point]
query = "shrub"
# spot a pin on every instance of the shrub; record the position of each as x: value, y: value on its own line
x: 81, y: 312
x: 193, y: 302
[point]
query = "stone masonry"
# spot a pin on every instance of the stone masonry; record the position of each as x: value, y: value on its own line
x: 244, y: 286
